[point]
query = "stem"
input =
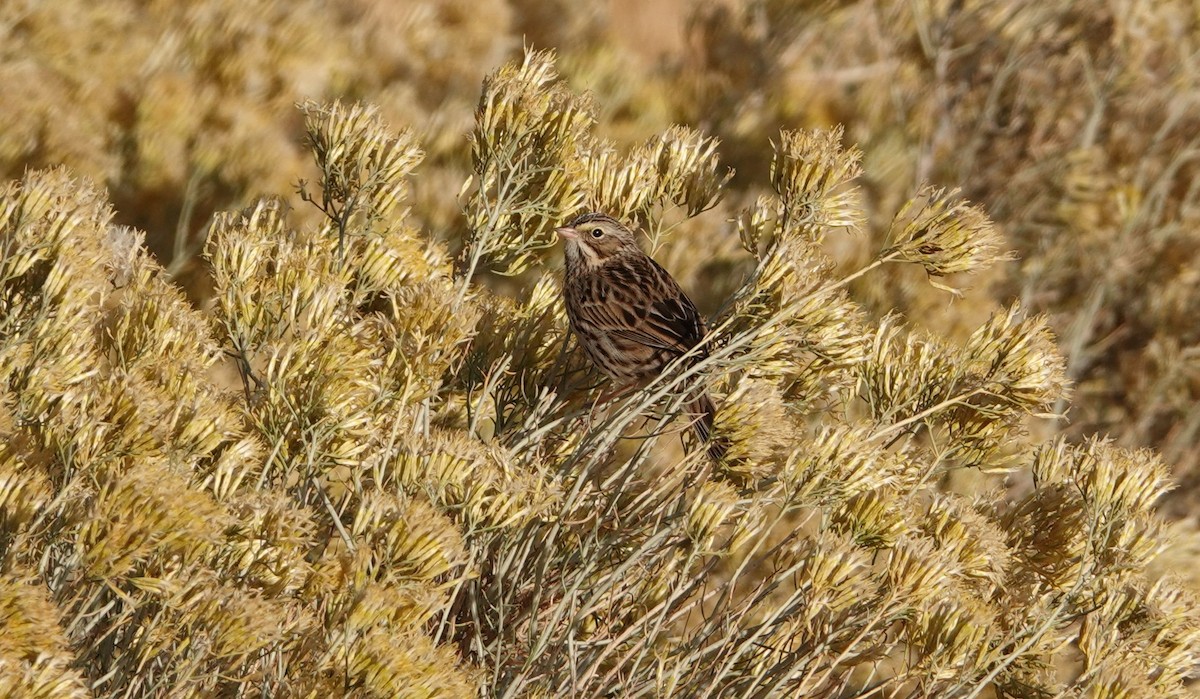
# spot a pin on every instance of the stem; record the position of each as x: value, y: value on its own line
x: 957, y: 400
x: 878, y: 262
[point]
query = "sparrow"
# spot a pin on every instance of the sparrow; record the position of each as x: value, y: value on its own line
x: 628, y: 313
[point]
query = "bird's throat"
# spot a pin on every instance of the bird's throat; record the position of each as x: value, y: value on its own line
x: 580, y: 256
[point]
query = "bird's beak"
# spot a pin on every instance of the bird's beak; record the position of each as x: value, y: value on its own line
x: 567, y: 232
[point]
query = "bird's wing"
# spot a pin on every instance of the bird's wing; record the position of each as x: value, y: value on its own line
x: 672, y: 324
x: 663, y: 316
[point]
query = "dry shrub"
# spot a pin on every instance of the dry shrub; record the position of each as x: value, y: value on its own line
x: 405, y: 491
x: 1073, y: 123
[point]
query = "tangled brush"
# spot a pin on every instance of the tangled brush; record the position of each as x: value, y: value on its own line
x: 364, y: 470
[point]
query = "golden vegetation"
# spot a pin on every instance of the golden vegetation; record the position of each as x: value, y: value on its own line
x: 362, y: 458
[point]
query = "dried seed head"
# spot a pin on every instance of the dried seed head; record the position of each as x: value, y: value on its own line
x: 944, y: 235
x: 812, y: 173
x: 715, y: 506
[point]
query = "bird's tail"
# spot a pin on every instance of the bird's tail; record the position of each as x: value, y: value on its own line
x: 704, y: 411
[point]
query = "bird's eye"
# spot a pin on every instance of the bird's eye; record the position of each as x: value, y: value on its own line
x: 596, y: 232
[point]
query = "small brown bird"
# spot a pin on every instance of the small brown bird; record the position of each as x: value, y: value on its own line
x: 629, y: 314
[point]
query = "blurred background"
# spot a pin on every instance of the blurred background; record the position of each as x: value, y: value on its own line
x: 1075, y: 123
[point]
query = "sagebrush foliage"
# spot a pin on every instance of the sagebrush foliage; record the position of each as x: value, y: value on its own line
x: 358, y: 471
x: 1071, y: 122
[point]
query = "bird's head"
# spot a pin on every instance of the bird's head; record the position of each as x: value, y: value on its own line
x: 592, y: 239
